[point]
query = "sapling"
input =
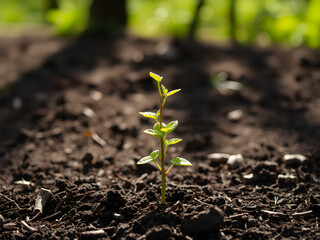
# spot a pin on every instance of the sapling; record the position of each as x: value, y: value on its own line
x: 160, y: 130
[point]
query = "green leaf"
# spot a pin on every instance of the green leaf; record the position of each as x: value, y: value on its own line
x: 180, y: 162
x: 158, y: 113
x: 166, y: 130
x: 157, y: 128
x: 145, y: 160
x: 164, y: 90
x: 173, y: 141
x: 149, y: 115
x: 172, y: 126
x: 173, y: 92
x: 155, y: 154
x: 155, y: 77
x: 153, y: 132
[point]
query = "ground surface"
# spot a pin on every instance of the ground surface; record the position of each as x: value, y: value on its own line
x: 70, y: 124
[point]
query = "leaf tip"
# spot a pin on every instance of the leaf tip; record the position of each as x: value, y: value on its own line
x: 155, y: 77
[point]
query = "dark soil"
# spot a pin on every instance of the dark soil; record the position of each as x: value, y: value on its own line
x: 70, y: 124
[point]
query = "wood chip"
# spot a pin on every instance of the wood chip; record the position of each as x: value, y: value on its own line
x: 42, y: 199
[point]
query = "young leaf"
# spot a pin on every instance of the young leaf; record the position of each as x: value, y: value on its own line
x: 149, y: 115
x: 173, y: 141
x: 158, y: 113
x: 145, y: 160
x: 155, y: 154
x: 172, y: 126
x: 157, y: 128
x: 166, y: 130
x: 180, y: 162
x: 155, y: 77
x: 153, y: 132
x: 173, y: 92
x: 164, y: 90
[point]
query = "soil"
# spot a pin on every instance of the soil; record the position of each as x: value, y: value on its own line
x: 70, y: 124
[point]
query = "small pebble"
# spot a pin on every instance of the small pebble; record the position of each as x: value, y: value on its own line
x: 235, y: 115
x: 88, y: 112
x: 218, y: 158
x: 235, y: 161
x: 118, y: 216
x: 248, y: 178
x: 291, y: 160
x: 269, y: 165
x: 287, y: 179
x: 95, y: 95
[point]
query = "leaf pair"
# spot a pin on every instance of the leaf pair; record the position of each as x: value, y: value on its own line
x: 178, y: 161
x: 158, y: 133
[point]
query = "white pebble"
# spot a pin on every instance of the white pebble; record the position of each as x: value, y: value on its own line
x: 247, y: 178
x: 294, y: 159
x: 235, y: 161
x: 218, y: 158
x: 287, y: 178
x: 88, y: 112
x: 235, y: 115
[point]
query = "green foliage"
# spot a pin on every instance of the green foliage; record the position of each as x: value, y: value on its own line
x: 71, y: 18
x: 264, y: 22
x: 160, y: 130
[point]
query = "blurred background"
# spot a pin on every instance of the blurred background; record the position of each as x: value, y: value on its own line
x: 287, y: 22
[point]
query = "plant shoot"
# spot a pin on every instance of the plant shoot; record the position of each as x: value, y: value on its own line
x: 160, y: 130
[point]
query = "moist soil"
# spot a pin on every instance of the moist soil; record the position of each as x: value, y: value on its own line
x: 70, y: 125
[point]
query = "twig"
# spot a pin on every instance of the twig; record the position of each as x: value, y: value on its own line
x: 237, y: 216
x: 10, y: 200
x: 52, y: 216
x: 99, y: 233
x: 302, y: 214
x: 124, y: 179
x: 197, y: 200
x: 84, y: 194
x: 278, y: 214
x: 27, y: 227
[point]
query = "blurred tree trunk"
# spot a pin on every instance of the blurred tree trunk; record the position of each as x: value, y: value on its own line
x: 51, y: 4
x: 108, y: 16
x: 233, y: 20
x: 195, y: 20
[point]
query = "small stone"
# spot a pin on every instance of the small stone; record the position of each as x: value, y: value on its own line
x: 218, y: 158
x: 118, y: 216
x: 292, y: 160
x: 95, y: 95
x: 271, y: 166
x: 287, y: 179
x: 235, y: 115
x: 249, y: 178
x: 205, y: 221
x: 162, y: 232
x: 235, y: 161
x: 88, y: 112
